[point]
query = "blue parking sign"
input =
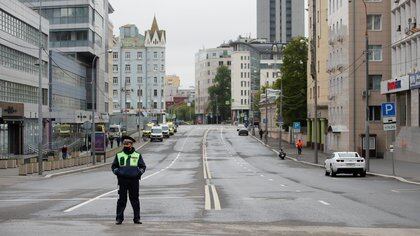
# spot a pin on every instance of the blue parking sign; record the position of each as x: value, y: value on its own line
x: 296, y: 126
x: 388, y: 109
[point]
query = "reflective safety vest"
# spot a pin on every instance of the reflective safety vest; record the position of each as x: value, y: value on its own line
x: 128, y: 159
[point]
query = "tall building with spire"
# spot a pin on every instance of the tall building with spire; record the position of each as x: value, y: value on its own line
x: 139, y: 70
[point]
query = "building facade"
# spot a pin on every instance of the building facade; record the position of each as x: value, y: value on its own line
x: 189, y: 93
x: 403, y: 87
x: 139, y: 70
x: 172, y: 83
x: 19, y: 68
x: 207, y: 61
x: 347, y: 24
x: 321, y: 52
x: 240, y: 86
x: 280, y: 20
x: 79, y: 29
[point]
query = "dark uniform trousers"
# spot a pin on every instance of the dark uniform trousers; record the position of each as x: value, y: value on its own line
x: 132, y: 187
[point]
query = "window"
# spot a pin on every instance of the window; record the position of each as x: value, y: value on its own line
x: 115, y: 68
x: 155, y: 67
x: 115, y: 55
x: 155, y: 55
x: 106, y: 87
x: 242, y: 92
x: 161, y: 92
x: 242, y: 102
x: 374, y: 113
x: 139, y: 55
x: 162, y: 67
x: 374, y: 22
x: 127, y: 55
x: 155, y: 105
x: 139, y: 68
x: 115, y: 80
x: 139, y: 80
x: 375, y: 52
x: 220, y: 63
x: 127, y: 80
x: 141, y: 92
x: 155, y: 80
x: 127, y: 68
x: 115, y: 93
x: 375, y: 82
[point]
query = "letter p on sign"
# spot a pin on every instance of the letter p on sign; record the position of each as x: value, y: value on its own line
x: 388, y: 109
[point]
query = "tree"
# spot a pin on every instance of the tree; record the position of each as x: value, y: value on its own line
x: 293, y: 76
x: 185, y: 112
x: 220, y: 94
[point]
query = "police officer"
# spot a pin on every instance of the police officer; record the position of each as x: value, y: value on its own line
x: 128, y: 166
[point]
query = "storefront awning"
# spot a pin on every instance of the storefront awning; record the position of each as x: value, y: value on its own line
x: 337, y: 129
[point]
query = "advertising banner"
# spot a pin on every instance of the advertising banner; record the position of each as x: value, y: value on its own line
x: 100, y: 146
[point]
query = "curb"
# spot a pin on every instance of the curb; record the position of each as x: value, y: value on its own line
x: 401, y: 179
x: 85, y: 168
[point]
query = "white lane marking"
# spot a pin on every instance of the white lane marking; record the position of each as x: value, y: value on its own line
x: 282, y: 185
x: 262, y: 175
x: 215, y: 198
x: 325, y: 203
x: 405, y: 190
x: 115, y: 190
x: 89, y: 201
x: 270, y: 179
x: 208, y: 170
x: 206, y: 198
x: 81, y: 199
x: 204, y: 171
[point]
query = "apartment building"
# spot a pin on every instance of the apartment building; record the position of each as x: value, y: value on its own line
x: 207, y: 61
x: 139, y: 70
x: 172, y: 83
x: 347, y: 23
x: 280, y: 20
x: 320, y: 71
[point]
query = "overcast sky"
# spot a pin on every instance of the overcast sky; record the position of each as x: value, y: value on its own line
x: 190, y: 25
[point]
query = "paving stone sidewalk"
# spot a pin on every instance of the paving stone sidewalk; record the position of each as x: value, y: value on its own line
x: 407, y: 170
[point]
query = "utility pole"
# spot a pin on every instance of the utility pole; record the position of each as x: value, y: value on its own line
x: 266, y: 112
x: 367, y: 136
x: 314, y: 77
x: 92, y: 137
x: 40, y: 126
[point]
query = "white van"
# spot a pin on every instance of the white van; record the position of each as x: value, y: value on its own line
x: 115, y: 131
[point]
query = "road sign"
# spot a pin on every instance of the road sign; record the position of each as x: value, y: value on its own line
x: 388, y: 109
x: 390, y: 119
x: 390, y: 126
x: 296, y: 126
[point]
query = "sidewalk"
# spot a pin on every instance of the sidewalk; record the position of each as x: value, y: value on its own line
x: 408, y: 170
x: 14, y: 172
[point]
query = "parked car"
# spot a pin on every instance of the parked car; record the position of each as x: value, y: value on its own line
x: 156, y: 134
x: 147, y: 130
x: 242, y: 130
x: 165, y: 130
x: 346, y: 163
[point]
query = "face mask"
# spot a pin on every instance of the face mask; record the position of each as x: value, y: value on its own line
x: 127, y: 149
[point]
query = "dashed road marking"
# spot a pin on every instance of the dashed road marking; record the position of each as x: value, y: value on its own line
x: 207, y: 204
x: 323, y: 202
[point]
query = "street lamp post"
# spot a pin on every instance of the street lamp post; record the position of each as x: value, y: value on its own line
x: 92, y: 137
x: 40, y: 125
x: 275, y: 51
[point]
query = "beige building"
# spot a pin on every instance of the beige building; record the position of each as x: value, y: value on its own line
x: 112, y: 41
x: 321, y: 75
x: 207, y: 61
x: 172, y: 83
x: 346, y: 66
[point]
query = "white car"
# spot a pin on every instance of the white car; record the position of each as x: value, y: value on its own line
x: 345, y: 162
x: 156, y: 134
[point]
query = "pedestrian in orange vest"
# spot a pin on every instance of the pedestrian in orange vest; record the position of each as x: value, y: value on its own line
x: 299, y: 146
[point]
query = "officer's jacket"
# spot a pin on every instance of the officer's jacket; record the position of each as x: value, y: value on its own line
x: 128, y: 165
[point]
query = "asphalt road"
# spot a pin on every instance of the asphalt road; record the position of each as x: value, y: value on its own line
x: 207, y: 180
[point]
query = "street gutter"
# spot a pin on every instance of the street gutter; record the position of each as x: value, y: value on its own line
x: 401, y: 179
x: 85, y: 168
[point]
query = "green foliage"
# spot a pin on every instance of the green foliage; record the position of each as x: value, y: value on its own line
x: 220, y: 94
x: 184, y: 112
x: 294, y: 75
